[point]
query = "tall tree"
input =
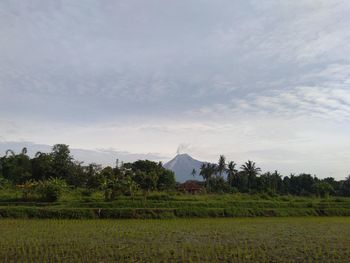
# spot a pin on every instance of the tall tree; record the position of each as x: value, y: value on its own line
x: 62, y: 161
x: 166, y: 180
x: 345, y: 186
x: 250, y: 168
x: 16, y: 167
x: 208, y: 170
x: 42, y: 166
x: 252, y: 171
x: 221, y: 165
x: 231, y: 172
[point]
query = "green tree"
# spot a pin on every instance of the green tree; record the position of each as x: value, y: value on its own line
x: 252, y: 171
x: 146, y: 181
x: 120, y: 185
x: 231, y: 173
x: 16, y: 168
x: 166, y: 181
x: 42, y: 166
x: 207, y: 171
x: 270, y: 182
x: 301, y: 184
x: 217, y: 184
x: 335, y: 184
x: 62, y: 161
x: 221, y: 167
x: 345, y: 186
x: 240, y: 181
x: 322, y: 189
x: 94, y: 178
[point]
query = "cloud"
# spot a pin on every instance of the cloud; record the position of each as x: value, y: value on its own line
x: 183, y: 148
x: 235, y: 77
x: 330, y: 99
x: 100, y: 156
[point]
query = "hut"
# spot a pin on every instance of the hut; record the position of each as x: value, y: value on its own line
x: 190, y: 187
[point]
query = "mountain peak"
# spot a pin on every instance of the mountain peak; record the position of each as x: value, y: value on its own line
x: 183, y: 155
x: 182, y: 165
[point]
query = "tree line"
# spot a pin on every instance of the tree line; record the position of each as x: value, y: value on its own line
x: 249, y: 179
x: 47, y: 174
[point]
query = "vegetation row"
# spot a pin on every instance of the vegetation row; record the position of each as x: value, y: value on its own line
x: 46, y: 176
x: 160, y: 213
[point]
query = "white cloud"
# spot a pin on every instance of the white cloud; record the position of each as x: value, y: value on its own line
x: 250, y: 79
x: 100, y: 156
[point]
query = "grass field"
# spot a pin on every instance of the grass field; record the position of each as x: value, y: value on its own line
x: 300, y: 239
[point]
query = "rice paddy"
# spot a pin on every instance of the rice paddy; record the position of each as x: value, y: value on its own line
x: 287, y: 239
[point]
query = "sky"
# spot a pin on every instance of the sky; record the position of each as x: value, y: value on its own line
x: 267, y: 80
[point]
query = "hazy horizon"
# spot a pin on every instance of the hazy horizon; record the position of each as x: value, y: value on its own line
x: 267, y: 81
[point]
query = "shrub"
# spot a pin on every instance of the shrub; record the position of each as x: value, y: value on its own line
x: 4, y: 183
x: 28, y: 190
x: 86, y: 192
x: 160, y: 196
x: 265, y: 196
x: 50, y: 190
x: 322, y: 189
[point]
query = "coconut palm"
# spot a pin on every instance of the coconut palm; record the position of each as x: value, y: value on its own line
x: 221, y: 165
x: 24, y: 151
x: 207, y: 170
x: 250, y: 168
x: 9, y: 152
x: 231, y: 172
x: 231, y: 168
x: 194, y: 172
x: 38, y: 154
x: 204, y: 171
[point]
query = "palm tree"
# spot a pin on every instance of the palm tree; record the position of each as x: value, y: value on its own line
x: 194, y: 172
x: 212, y: 169
x: 24, y: 151
x: 231, y: 168
x: 207, y: 170
x: 231, y: 172
x: 250, y: 168
x: 221, y: 165
x: 38, y: 154
x: 204, y: 171
x: 8, y: 152
x: 252, y: 171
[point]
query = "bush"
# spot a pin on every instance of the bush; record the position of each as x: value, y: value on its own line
x: 4, y: 184
x: 86, y: 192
x: 160, y: 196
x: 28, y: 190
x: 265, y: 196
x: 159, y: 213
x: 51, y: 190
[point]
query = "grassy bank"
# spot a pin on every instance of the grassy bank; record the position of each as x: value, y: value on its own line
x: 165, y: 205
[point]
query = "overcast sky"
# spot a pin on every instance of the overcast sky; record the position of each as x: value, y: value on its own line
x: 261, y: 80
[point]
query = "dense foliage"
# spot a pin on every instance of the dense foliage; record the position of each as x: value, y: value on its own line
x: 47, y: 174
x: 249, y: 179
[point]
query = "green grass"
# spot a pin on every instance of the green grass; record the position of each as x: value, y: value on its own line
x: 73, y: 205
x: 311, y: 239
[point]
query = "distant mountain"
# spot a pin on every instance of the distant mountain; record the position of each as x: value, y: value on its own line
x: 182, y: 165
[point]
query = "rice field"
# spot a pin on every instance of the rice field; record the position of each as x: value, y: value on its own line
x: 302, y: 239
